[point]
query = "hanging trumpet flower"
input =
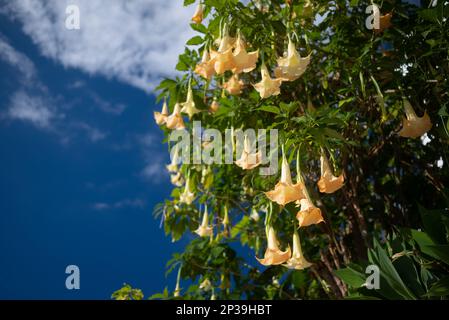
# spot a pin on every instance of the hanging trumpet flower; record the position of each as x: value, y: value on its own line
x: 161, y: 117
x: 173, y: 166
x: 206, y: 67
x: 214, y: 106
x: 328, y: 183
x: 188, y: 107
x: 205, y: 230
x: 291, y: 66
x: 414, y: 126
x: 175, y: 121
x: 177, y: 291
x: 273, y: 255
x: 248, y: 160
x: 308, y: 214
x: 384, y: 22
x: 187, y: 196
x: 234, y: 86
x: 223, y: 58
x: 297, y: 260
x: 244, y: 61
x: 285, y: 191
x: 268, y: 87
x: 177, y: 179
x: 198, y: 15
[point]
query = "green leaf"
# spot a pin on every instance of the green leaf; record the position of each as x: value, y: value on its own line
x: 188, y: 2
x: 433, y: 224
x: 271, y: 109
x: 440, y: 288
x: 351, y: 276
x: 198, y: 27
x: 196, y: 40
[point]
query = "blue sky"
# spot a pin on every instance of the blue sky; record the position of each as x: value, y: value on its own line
x: 82, y: 164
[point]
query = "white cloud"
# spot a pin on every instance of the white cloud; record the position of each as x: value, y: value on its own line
x: 34, y: 109
x: 126, y: 203
x: 136, y: 42
x: 92, y: 133
x: 17, y: 60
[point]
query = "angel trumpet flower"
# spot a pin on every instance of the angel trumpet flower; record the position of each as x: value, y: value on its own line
x: 285, y: 191
x: 176, y: 179
x: 161, y: 117
x: 223, y: 58
x: 206, y: 67
x: 414, y: 126
x: 267, y: 86
x: 244, y: 61
x: 248, y: 160
x: 214, y: 106
x: 173, y: 166
x: 204, y: 230
x: 297, y: 260
x: 274, y: 255
x: 384, y: 22
x: 328, y: 183
x: 234, y: 85
x: 308, y: 214
x: 175, y: 121
x: 188, y: 107
x: 187, y: 196
x: 291, y: 66
x: 198, y: 15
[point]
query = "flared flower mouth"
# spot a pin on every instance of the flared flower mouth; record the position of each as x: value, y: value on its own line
x: 234, y: 85
x: 297, y: 260
x: 414, y: 126
x: 292, y: 66
x: 328, y: 183
x: 268, y: 87
x: 214, y: 106
x: 274, y: 255
x: 187, y: 196
x: 161, y: 117
x: 384, y: 22
x: 206, y: 68
x: 198, y: 15
x: 244, y: 61
x: 177, y: 179
x: 175, y: 121
x: 188, y: 107
x: 204, y: 230
x: 224, y: 58
x: 285, y: 191
x: 248, y: 160
x: 308, y: 213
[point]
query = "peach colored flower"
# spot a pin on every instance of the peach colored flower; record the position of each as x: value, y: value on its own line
x: 297, y: 260
x: 244, y: 61
x: 176, y: 179
x: 248, y: 160
x: 274, y: 255
x: 292, y: 65
x: 188, y: 107
x: 308, y: 214
x: 268, y: 87
x: 285, y: 191
x: 206, y: 68
x: 328, y: 183
x: 161, y: 117
x: 187, y: 196
x: 234, y: 85
x: 198, y: 15
x: 414, y: 126
x: 214, y: 106
x: 175, y: 121
x: 223, y: 58
x: 384, y: 23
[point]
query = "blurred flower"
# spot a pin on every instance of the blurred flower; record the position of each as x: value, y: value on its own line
x: 187, y: 196
x: 308, y: 214
x: 206, y: 285
x: 223, y: 58
x: 188, y: 107
x: 244, y: 61
x: 248, y: 160
x: 175, y: 121
x: 273, y: 255
x: 234, y: 85
x: 198, y: 15
x: 177, y: 179
x: 161, y: 117
x: 173, y: 166
x: 291, y: 66
x: 214, y: 106
x: 328, y: 183
x: 205, y: 230
x: 414, y: 126
x: 206, y: 67
x: 267, y: 86
x: 297, y: 260
x: 384, y: 23
x: 254, y: 215
x: 285, y: 191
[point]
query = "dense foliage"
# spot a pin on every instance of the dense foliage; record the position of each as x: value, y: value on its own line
x: 349, y: 105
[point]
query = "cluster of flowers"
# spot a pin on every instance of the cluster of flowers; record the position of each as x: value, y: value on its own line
x: 232, y: 55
